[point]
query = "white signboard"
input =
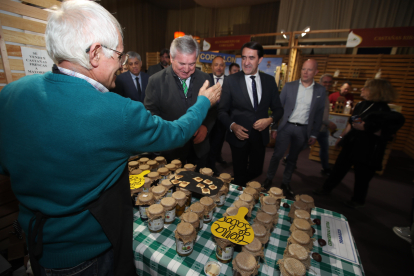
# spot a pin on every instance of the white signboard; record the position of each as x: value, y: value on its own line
x: 340, y: 122
x: 339, y: 242
x: 36, y: 61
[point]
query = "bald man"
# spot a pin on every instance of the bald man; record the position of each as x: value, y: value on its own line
x: 304, y: 102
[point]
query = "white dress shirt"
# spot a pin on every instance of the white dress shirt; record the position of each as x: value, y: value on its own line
x: 134, y: 81
x: 220, y: 79
x: 258, y: 87
x: 301, y: 111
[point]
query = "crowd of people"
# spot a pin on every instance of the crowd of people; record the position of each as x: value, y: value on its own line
x: 67, y: 153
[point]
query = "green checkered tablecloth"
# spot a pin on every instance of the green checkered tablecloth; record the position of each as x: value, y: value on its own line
x: 155, y: 254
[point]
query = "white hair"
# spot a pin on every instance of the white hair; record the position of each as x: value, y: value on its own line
x: 185, y: 45
x: 75, y: 26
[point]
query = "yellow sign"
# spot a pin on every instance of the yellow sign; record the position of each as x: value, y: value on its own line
x: 234, y: 228
x: 137, y: 180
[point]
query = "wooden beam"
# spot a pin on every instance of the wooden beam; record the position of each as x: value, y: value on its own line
x: 5, y: 57
x: 44, y: 3
x: 24, y: 38
x: 21, y: 23
x: 22, y: 9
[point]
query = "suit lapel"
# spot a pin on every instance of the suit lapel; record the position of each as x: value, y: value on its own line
x: 175, y: 90
x: 265, y: 96
x: 295, y: 94
x: 243, y: 85
x: 316, y: 95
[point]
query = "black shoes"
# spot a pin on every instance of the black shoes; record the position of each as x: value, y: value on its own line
x: 321, y: 191
x: 267, y: 184
x: 326, y: 172
x: 287, y: 191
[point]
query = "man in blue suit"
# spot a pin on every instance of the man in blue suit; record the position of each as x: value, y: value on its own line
x: 304, y: 102
x: 132, y: 84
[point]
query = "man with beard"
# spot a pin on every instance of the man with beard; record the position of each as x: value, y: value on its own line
x: 164, y: 63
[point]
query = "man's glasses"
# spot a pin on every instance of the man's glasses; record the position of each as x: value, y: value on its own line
x: 122, y: 57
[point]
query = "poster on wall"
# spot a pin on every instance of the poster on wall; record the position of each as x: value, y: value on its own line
x: 36, y: 61
x: 268, y: 65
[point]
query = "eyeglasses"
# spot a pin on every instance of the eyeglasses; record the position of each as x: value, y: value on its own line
x: 122, y: 57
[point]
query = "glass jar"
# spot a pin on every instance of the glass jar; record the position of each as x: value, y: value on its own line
x: 177, y: 163
x: 265, y: 220
x: 189, y: 167
x: 307, y: 199
x: 136, y: 172
x: 145, y: 200
x: 209, y: 206
x: 272, y: 211
x: 189, y: 197
x: 247, y: 198
x: 302, y: 225
x: 255, y: 185
x: 231, y: 211
x: 301, y: 238
x: 244, y: 263
x: 255, y: 248
x: 161, y: 161
x: 166, y: 183
x: 143, y: 161
x: 184, y: 239
x: 224, y: 250
x: 222, y: 194
x: 133, y: 165
x: 261, y: 234
x: 206, y: 171
x: 252, y: 192
x: 181, y: 198
x: 154, y: 176
x: 153, y: 165
x: 169, y: 204
x: 238, y: 204
x: 144, y: 167
x: 198, y: 208
x: 302, y: 214
x: 164, y: 172
x: 156, y: 216
x: 159, y: 192
x: 171, y: 168
x: 191, y: 218
x: 276, y: 193
x: 269, y: 200
x: 147, y: 185
x: 298, y: 205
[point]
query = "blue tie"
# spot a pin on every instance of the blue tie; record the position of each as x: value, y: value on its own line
x: 255, y: 98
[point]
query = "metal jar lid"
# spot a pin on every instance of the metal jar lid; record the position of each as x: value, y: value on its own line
x: 158, y: 190
x: 206, y: 201
x: 168, y: 202
x: 245, y: 261
x: 178, y: 195
x: 185, y: 229
x: 145, y: 197
x: 155, y: 209
x: 301, y: 237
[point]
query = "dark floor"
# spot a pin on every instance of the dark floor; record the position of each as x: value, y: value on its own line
x: 388, y: 204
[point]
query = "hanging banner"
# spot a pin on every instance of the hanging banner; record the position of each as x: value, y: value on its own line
x: 36, y: 61
x: 381, y: 37
x: 225, y: 43
x: 207, y: 57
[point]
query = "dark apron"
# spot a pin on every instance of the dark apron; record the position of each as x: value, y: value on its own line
x: 113, y: 212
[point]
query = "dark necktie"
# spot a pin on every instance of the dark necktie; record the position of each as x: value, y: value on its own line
x: 138, y: 88
x: 217, y: 80
x: 255, y: 98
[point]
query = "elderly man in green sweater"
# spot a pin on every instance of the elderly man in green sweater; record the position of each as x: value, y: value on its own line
x: 65, y: 141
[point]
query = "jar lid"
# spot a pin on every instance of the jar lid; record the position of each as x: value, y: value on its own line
x: 178, y: 195
x: 152, y: 162
x: 259, y: 230
x: 207, y: 201
x: 166, y: 182
x: 197, y: 207
x: 301, y: 224
x: 269, y: 200
x: 190, y: 217
x: 185, y: 229
x: 302, y: 214
x: 254, y: 246
x: 263, y: 217
x: 144, y: 167
x: 188, y: 166
x: 240, y: 203
x: 250, y: 191
x: 168, y: 201
x: 187, y: 192
x: 144, y: 159
x: 133, y: 163
x: 155, y: 209
x: 163, y: 170
x: 170, y: 166
x: 255, y: 185
x: 301, y: 237
x: 180, y: 170
x: 206, y: 170
x: 147, y: 180
x: 269, y: 209
x: 159, y: 158
x: 294, y: 267
x: 225, y: 176
x: 245, y: 261
x: 145, y: 197
x: 298, y: 250
x: 300, y: 205
x: 153, y: 175
x: 246, y: 197
x: 137, y: 171
x: 276, y: 191
x: 232, y: 211
x: 176, y: 161
x: 306, y: 198
x: 158, y: 190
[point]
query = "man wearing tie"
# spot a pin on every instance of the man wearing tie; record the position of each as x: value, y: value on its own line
x: 218, y: 132
x: 243, y: 110
x: 132, y: 84
x: 304, y: 103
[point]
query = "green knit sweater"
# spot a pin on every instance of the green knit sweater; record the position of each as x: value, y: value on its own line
x: 62, y: 143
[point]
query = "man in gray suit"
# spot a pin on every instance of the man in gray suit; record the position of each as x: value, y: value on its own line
x: 303, y: 101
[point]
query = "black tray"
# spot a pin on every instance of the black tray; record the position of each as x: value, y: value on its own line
x: 189, y: 175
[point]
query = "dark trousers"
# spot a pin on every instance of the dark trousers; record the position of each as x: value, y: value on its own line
x: 363, y: 175
x: 217, y: 136
x: 248, y: 160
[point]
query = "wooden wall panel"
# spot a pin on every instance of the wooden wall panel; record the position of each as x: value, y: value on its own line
x: 23, y: 38
x: 21, y: 23
x: 44, y: 3
x: 15, y: 64
x: 22, y: 9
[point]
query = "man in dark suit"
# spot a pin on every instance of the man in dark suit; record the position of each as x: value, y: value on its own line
x: 218, y: 132
x: 164, y: 63
x: 172, y: 91
x: 304, y: 103
x: 132, y: 84
x: 243, y: 109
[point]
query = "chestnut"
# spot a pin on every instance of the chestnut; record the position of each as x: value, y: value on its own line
x: 321, y: 242
x: 285, y: 205
x: 317, y: 257
x: 317, y: 221
x: 313, y: 231
x: 240, y: 188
